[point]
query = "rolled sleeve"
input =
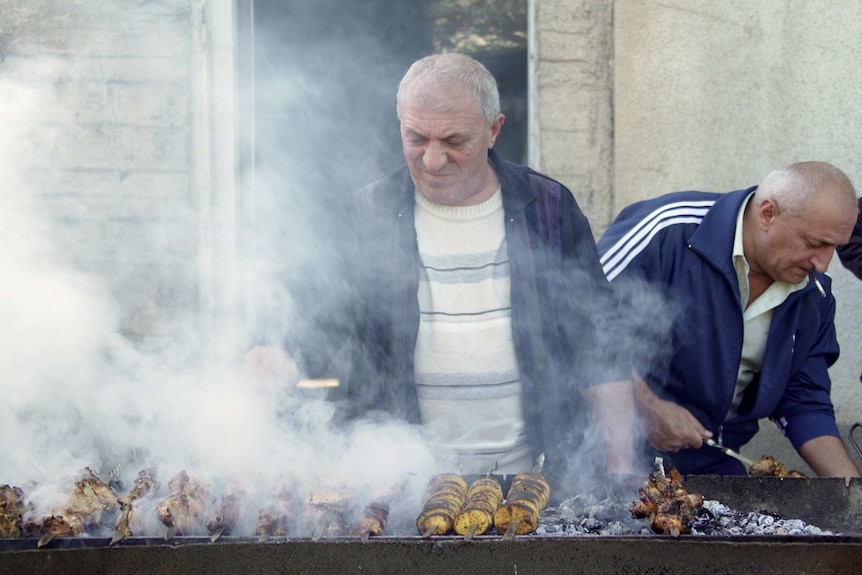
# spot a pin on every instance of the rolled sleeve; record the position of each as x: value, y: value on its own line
x: 803, y: 427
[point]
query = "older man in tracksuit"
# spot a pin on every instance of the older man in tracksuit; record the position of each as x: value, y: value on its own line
x: 752, y: 334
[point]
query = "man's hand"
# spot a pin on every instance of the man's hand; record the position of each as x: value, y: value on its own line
x: 268, y: 369
x: 666, y: 425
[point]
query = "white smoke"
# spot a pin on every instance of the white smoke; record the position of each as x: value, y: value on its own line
x: 77, y: 392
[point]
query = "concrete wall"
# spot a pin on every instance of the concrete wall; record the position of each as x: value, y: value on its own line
x: 111, y: 149
x: 123, y: 165
x: 712, y: 95
x: 571, y: 131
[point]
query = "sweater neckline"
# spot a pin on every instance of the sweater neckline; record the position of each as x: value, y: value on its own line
x: 489, y: 206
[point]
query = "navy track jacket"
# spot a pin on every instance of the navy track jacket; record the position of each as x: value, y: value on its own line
x: 680, y: 245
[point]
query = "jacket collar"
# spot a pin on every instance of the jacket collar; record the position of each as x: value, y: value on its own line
x: 713, y: 238
x: 513, y: 183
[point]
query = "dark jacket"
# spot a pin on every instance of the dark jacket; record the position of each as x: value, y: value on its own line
x: 562, y: 307
x: 851, y: 254
x: 683, y: 244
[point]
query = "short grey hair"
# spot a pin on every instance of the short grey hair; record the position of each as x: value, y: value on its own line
x: 451, y: 71
x: 795, y: 186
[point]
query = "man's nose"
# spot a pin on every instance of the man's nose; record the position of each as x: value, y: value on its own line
x: 435, y: 157
x: 822, y: 257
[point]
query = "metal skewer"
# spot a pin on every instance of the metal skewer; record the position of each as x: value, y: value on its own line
x: 730, y: 453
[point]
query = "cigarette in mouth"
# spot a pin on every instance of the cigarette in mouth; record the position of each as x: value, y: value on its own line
x: 817, y: 283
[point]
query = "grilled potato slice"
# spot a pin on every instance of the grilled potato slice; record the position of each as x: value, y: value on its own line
x: 524, y: 511
x: 477, y: 513
x: 527, y: 497
x: 445, y: 495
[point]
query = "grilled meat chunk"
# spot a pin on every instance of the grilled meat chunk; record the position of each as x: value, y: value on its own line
x: 92, y: 499
x: 185, y: 510
x: 12, y: 509
x: 60, y: 524
x: 669, y: 507
x: 768, y: 466
x: 271, y: 523
x: 373, y: 520
x: 278, y: 520
x: 375, y: 516
x: 87, y: 506
x: 228, y: 514
x: 326, y: 511
x: 145, y: 484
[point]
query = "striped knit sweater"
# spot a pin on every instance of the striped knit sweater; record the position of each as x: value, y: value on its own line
x: 465, y: 352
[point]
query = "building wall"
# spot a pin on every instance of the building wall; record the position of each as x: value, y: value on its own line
x: 113, y: 168
x: 708, y: 95
x: 571, y: 133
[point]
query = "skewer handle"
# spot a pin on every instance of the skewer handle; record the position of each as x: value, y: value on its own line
x: 511, y: 530
x: 318, y: 533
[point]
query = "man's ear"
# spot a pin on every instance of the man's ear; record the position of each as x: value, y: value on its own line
x: 767, y: 211
x: 496, y: 126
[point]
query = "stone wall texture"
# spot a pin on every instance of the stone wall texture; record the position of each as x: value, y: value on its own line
x: 109, y: 147
x: 573, y: 63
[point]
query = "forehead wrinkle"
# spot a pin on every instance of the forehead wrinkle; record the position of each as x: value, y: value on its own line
x: 436, y: 129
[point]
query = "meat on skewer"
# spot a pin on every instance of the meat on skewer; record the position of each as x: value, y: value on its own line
x: 271, y: 523
x: 278, y: 520
x: 373, y: 520
x: 185, y: 510
x: 669, y: 507
x: 527, y: 497
x: 375, y: 516
x: 444, y: 497
x: 228, y: 514
x: 326, y: 512
x: 768, y: 466
x: 85, y: 509
x: 12, y: 509
x: 145, y: 484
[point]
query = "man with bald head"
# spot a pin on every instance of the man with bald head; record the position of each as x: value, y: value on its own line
x: 753, y: 331
x: 474, y: 300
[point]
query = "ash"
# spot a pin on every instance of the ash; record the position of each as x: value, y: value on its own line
x: 717, y: 519
x: 587, y: 514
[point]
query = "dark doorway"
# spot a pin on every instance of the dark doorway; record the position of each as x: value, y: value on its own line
x: 326, y: 73
x: 317, y: 89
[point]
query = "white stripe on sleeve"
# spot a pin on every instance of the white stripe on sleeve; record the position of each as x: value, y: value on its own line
x: 636, y: 239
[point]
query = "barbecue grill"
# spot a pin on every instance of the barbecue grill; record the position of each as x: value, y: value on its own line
x: 827, y: 503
